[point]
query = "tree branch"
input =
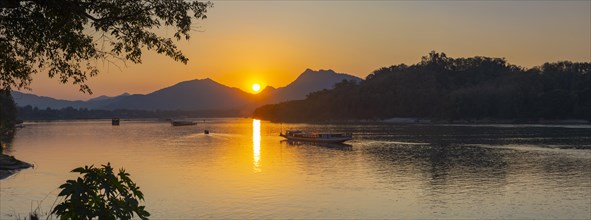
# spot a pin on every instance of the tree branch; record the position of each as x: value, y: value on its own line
x: 9, y: 3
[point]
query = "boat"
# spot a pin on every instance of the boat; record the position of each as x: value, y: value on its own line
x: 182, y: 123
x: 297, y: 135
x: 336, y: 146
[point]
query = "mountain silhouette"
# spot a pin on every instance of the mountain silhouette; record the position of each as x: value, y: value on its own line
x: 43, y: 102
x: 198, y: 94
x: 204, y: 94
x: 104, y: 97
x: 309, y: 81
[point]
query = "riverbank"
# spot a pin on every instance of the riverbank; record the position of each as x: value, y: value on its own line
x: 9, y: 165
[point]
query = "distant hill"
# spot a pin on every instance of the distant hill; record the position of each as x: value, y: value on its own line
x: 207, y: 94
x: 309, y: 81
x: 203, y: 94
x: 104, y: 97
x: 42, y: 102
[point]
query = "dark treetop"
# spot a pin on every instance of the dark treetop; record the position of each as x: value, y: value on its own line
x: 440, y: 87
x: 66, y: 37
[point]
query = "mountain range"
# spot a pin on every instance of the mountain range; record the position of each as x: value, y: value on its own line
x: 199, y: 94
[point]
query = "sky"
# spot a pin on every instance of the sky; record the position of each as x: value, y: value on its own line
x: 272, y: 42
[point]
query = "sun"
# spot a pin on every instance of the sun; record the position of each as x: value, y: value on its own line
x: 256, y: 87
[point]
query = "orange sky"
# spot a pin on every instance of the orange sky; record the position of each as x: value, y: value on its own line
x: 271, y: 43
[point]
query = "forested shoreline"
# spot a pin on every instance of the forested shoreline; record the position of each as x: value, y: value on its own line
x: 445, y: 88
x: 33, y: 113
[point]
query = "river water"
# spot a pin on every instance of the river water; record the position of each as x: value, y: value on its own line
x: 243, y: 169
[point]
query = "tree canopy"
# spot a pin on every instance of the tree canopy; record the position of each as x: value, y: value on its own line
x: 67, y: 37
x: 445, y: 88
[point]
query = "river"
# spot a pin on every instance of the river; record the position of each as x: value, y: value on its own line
x: 243, y: 169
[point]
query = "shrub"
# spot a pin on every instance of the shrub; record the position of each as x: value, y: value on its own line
x: 100, y: 194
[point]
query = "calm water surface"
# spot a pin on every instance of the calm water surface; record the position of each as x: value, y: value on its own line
x: 242, y: 169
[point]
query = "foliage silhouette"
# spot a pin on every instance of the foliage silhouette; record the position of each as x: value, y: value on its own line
x: 65, y: 37
x: 102, y: 194
x: 7, y: 111
x: 444, y: 88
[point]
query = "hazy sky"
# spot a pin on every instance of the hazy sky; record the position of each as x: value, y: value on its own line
x: 272, y: 42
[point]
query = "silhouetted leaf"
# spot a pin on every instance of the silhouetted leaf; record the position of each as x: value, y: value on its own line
x: 100, y: 194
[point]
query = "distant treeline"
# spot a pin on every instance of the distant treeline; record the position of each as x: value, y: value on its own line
x: 444, y: 88
x: 34, y: 113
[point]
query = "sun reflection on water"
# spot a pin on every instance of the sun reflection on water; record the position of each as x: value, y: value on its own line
x: 256, y: 145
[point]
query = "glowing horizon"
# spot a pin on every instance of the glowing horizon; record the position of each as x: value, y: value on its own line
x: 271, y: 43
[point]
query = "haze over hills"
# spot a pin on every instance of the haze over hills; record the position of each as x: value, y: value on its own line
x: 203, y: 94
x: 43, y: 102
x: 104, y: 97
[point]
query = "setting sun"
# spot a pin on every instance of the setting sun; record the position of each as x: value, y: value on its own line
x: 256, y: 87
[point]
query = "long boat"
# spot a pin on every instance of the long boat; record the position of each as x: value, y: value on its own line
x: 182, y: 123
x: 297, y: 135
